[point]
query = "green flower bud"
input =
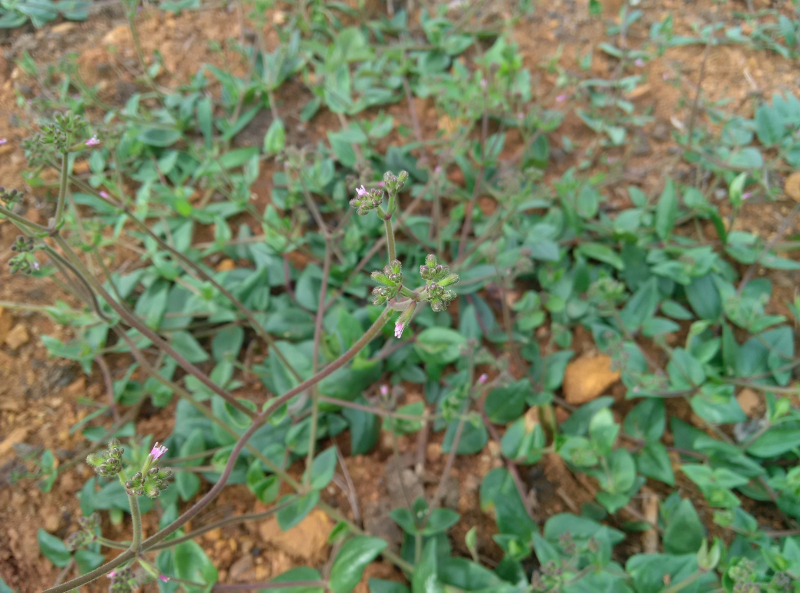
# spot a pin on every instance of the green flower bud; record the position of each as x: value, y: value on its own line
x: 448, y: 280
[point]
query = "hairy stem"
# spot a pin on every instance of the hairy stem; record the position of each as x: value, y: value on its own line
x: 390, y: 239
x: 62, y: 191
x: 134, y: 322
x: 200, y: 272
x: 136, y: 520
x: 312, y: 436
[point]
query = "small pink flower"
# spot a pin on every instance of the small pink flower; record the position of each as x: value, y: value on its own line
x: 398, y: 330
x: 384, y: 390
x: 93, y: 141
x: 112, y: 574
x: 3, y: 141
x: 36, y: 265
x: 665, y: 76
x: 438, y: 169
x: 746, y: 195
x: 483, y: 378
x: 163, y: 578
x: 520, y: 116
x: 361, y: 191
x: 381, y: 184
x: 639, y: 62
x: 104, y: 194
x: 157, y: 451
x: 561, y: 98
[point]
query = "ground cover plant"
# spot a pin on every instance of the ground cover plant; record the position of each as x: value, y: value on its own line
x: 357, y: 239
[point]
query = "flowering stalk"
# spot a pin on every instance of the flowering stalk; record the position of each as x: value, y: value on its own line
x: 136, y: 520
x: 62, y: 192
x: 259, y: 421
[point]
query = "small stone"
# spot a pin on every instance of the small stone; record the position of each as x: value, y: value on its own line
x: 5, y: 325
x: 213, y: 535
x: 15, y: 437
x: 63, y: 28
x: 792, y: 186
x: 588, y: 378
x: 226, y: 265
x: 750, y: 402
x: 306, y: 540
x: 117, y: 36
x: 241, y: 569
x: 51, y: 520
x: 433, y: 452
x: 17, y: 336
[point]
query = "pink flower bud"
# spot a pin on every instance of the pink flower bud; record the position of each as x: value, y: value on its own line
x: 384, y: 390
x: 561, y: 98
x: 104, y: 194
x: 93, y: 141
x: 163, y: 578
x: 157, y: 451
x: 3, y: 141
x: 483, y: 378
x: 361, y: 191
x: 112, y: 574
x: 639, y: 62
x: 398, y: 330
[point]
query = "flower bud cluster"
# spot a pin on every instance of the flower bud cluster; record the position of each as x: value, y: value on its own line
x: 391, y: 277
x: 605, y: 293
x: 22, y: 244
x: 86, y: 535
x: 149, y: 483
x: 107, y: 463
x: 366, y: 200
x: 437, y: 278
x: 9, y: 197
x: 394, y: 183
x: 23, y: 262
x: 122, y: 580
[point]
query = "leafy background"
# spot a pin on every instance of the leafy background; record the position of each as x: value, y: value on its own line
x: 625, y: 283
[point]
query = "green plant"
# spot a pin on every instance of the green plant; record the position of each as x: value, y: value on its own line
x: 15, y: 13
x: 681, y: 315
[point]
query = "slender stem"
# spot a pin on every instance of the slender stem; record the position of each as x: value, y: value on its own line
x: 222, y: 523
x: 510, y: 465
x: 200, y: 272
x: 134, y: 322
x: 109, y: 385
x: 312, y: 436
x: 62, y: 190
x: 130, y: 14
x: 93, y: 575
x: 112, y: 544
x: 448, y: 467
x: 470, y: 208
x: 685, y: 582
x: 390, y: 239
x: 148, y: 368
x: 258, y: 421
x: 136, y: 519
x: 372, y: 410
x: 20, y: 220
x: 288, y: 585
